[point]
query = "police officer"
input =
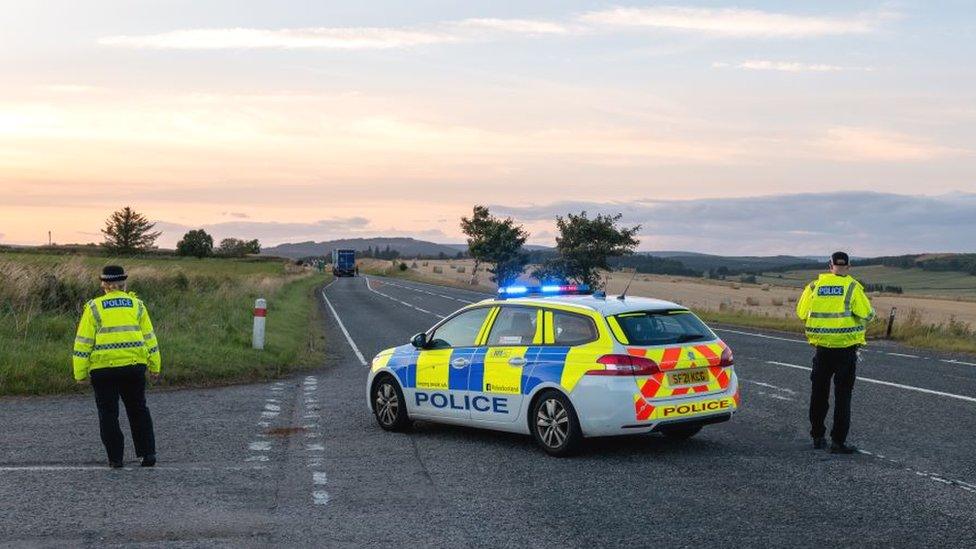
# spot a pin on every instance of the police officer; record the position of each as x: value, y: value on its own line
x: 836, y: 311
x: 114, y: 346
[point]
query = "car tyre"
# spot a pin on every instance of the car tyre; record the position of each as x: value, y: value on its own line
x: 389, y: 406
x: 680, y: 432
x: 554, y: 424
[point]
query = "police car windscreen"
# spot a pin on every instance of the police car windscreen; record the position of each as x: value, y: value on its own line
x: 663, y: 327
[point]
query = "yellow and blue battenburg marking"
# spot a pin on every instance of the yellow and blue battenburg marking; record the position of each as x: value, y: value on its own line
x: 431, y: 369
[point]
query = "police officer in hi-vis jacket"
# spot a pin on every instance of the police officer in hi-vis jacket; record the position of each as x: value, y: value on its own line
x: 114, y: 347
x: 836, y: 311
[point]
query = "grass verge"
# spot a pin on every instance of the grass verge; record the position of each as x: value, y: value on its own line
x: 202, y: 312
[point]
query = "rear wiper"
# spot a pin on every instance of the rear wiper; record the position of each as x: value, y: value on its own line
x: 689, y: 337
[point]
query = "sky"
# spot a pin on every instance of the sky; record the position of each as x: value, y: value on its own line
x: 749, y: 127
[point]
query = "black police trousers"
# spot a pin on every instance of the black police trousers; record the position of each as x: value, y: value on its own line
x: 129, y: 383
x: 839, y: 364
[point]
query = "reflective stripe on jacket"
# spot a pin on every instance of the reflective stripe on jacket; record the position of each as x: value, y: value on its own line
x: 836, y: 311
x: 115, y: 330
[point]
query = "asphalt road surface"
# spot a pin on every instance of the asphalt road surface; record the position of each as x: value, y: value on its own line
x: 301, y: 462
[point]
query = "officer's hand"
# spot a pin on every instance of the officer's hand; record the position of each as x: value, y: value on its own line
x: 154, y: 377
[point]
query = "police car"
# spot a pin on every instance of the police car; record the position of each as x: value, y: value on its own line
x: 560, y: 363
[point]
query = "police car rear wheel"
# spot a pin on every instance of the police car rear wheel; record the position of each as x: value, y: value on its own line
x: 681, y: 432
x: 554, y: 424
x: 388, y: 405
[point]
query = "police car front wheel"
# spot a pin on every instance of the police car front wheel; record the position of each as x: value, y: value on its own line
x: 388, y: 405
x: 555, y: 426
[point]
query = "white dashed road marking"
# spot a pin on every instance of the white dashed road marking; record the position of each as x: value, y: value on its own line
x: 414, y: 307
x: 428, y: 293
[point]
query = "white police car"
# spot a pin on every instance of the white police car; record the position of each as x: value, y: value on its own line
x: 562, y: 364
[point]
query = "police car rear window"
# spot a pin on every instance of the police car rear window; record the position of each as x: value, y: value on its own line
x: 663, y: 327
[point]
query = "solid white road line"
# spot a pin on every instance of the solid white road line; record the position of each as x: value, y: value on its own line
x: 345, y: 332
x: 414, y: 307
x: 764, y: 336
x: 886, y: 383
x: 903, y: 355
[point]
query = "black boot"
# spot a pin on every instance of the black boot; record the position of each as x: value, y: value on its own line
x: 149, y: 461
x: 819, y: 443
x: 842, y: 448
x: 116, y: 464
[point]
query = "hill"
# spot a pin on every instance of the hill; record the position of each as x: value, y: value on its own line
x: 407, y: 247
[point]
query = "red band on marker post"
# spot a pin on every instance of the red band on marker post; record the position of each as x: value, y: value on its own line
x: 260, y: 312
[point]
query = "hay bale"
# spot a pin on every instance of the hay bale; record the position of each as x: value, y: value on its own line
x: 752, y: 302
x: 461, y: 269
x: 777, y: 301
x: 425, y: 263
x: 765, y: 287
x: 438, y: 270
x: 736, y: 286
x: 413, y: 265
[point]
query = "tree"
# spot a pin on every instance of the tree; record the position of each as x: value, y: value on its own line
x: 127, y: 231
x: 195, y: 243
x: 585, y: 246
x: 235, y: 247
x: 497, y: 242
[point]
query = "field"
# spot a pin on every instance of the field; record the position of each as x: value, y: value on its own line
x: 939, y: 323
x: 915, y: 282
x: 201, y: 309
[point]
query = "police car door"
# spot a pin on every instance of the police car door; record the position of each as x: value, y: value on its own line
x: 512, y: 345
x: 444, y: 365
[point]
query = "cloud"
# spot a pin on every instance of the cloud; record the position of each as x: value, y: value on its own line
x: 734, y: 22
x: 352, y: 38
x: 858, y: 144
x: 786, y: 66
x: 238, y: 215
x: 268, y: 232
x: 866, y: 223
x: 520, y: 26
x: 337, y: 38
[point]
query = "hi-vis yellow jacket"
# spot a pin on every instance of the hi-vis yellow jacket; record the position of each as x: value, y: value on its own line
x: 836, y: 311
x: 115, y: 330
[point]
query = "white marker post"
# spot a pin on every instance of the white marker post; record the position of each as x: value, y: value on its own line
x: 260, y: 312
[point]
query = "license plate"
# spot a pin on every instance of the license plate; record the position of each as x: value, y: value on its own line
x: 688, y: 377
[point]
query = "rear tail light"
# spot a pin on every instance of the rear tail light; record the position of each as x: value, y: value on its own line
x: 726, y: 359
x: 625, y: 365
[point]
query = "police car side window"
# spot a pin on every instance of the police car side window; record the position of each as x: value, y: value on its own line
x: 515, y: 326
x: 572, y: 329
x: 461, y: 330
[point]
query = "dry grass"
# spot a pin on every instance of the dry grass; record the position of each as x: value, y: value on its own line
x: 921, y: 321
x: 201, y: 311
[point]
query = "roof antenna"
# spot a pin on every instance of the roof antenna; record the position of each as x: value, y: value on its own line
x: 623, y: 294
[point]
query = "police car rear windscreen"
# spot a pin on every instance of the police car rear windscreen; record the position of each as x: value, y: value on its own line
x: 649, y: 328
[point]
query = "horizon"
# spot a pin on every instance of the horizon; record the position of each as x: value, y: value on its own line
x: 749, y: 128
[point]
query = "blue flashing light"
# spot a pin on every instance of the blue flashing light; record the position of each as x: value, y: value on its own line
x: 546, y: 289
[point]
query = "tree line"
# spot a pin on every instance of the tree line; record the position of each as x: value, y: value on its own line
x: 129, y: 232
x: 584, y: 247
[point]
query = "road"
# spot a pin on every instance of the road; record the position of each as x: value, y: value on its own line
x: 301, y: 462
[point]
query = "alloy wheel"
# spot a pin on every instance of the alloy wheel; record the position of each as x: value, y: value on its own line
x: 552, y: 423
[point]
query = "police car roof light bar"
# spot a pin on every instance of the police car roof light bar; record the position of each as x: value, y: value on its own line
x: 546, y: 289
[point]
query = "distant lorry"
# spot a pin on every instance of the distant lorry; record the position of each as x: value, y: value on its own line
x: 343, y: 262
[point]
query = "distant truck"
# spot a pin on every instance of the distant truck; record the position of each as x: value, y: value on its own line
x: 343, y: 262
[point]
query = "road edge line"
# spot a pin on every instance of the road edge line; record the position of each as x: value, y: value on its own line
x: 345, y: 332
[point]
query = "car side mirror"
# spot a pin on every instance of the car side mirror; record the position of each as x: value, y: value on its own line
x: 419, y: 341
